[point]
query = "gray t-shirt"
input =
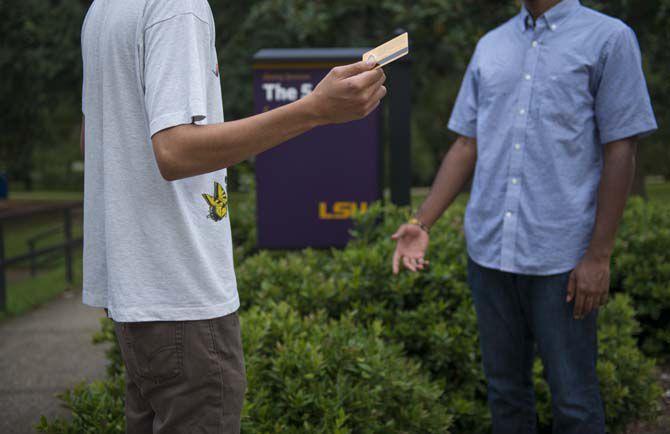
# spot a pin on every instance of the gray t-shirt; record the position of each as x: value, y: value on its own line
x: 153, y: 250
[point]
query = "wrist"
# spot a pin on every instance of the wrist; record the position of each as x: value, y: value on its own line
x: 417, y: 222
x: 602, y: 255
x: 311, y: 111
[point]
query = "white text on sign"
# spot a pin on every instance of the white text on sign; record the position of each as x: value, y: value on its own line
x: 279, y: 93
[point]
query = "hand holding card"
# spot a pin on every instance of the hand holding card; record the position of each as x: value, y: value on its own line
x: 390, y: 51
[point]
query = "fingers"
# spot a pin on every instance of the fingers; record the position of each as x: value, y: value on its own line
x: 379, y: 94
x: 412, y: 264
x: 578, y: 312
x: 584, y: 304
x: 572, y: 283
x: 369, y: 79
x: 396, y: 261
x: 422, y: 264
x: 355, y: 68
x: 589, y: 305
x: 408, y: 263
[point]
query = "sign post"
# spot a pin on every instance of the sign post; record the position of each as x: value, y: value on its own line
x: 309, y: 188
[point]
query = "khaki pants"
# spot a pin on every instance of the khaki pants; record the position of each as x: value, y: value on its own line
x: 183, y: 376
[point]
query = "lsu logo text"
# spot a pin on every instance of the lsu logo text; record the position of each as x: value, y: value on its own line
x: 341, y: 210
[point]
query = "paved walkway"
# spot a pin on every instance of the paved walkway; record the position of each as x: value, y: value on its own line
x: 42, y: 353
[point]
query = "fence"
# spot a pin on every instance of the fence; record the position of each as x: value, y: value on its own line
x: 28, y: 210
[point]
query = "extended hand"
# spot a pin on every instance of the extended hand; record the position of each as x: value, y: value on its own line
x: 411, y: 248
x: 589, y: 285
x: 348, y: 93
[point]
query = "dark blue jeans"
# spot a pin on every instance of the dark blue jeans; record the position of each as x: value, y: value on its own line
x: 515, y: 313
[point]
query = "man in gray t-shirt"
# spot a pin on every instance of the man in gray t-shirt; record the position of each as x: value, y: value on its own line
x: 157, y: 241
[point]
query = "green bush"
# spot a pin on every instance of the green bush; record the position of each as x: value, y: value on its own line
x: 106, y: 335
x: 334, y: 359
x: 431, y: 315
x: 306, y: 375
x: 96, y: 408
x: 314, y: 375
x: 642, y: 269
x: 243, y: 224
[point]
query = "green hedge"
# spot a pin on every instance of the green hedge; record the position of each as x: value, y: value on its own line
x: 315, y: 375
x: 95, y: 408
x: 431, y: 315
x: 333, y: 341
x: 642, y: 269
x: 306, y: 375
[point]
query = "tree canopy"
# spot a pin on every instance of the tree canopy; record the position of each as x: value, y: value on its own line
x: 41, y: 64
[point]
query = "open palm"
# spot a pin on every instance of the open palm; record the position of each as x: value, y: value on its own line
x: 412, y: 242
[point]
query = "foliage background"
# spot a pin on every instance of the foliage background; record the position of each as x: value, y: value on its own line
x: 334, y: 345
x: 40, y: 67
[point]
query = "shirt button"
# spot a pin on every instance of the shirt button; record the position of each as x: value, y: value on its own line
x: 553, y: 27
x: 515, y: 181
x: 517, y: 146
x: 528, y: 77
x: 535, y: 44
x: 522, y: 112
x: 508, y: 214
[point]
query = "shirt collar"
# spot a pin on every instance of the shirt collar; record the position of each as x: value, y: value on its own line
x: 553, y: 17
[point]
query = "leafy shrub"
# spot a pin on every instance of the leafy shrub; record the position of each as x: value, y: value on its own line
x: 431, y: 315
x: 243, y: 217
x: 96, y: 408
x: 314, y: 375
x: 306, y: 374
x: 333, y: 360
x: 642, y: 269
x: 106, y: 335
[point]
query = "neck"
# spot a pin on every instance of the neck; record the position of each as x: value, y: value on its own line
x: 539, y: 7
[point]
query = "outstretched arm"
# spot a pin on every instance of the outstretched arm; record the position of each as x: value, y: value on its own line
x: 348, y: 93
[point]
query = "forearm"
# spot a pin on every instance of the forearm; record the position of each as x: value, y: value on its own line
x: 206, y: 148
x: 615, y: 183
x: 456, y: 169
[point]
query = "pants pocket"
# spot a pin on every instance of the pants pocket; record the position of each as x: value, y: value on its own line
x: 153, y: 350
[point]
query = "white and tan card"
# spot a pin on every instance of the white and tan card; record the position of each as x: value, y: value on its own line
x: 390, y: 51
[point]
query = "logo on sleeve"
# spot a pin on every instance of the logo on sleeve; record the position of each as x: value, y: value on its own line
x: 218, y: 203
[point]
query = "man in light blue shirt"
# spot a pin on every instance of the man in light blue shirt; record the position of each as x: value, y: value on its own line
x: 548, y: 116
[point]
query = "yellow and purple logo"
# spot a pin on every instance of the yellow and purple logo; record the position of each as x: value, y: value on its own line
x: 342, y: 210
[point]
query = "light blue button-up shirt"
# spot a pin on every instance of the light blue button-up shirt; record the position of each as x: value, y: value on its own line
x: 543, y: 98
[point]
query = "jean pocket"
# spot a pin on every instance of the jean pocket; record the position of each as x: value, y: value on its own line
x: 155, y: 349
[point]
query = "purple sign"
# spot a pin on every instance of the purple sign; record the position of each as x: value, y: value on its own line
x: 309, y: 187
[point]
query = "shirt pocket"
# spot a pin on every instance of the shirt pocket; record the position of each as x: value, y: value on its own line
x: 565, y: 98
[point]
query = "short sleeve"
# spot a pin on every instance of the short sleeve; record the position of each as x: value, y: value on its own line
x: 463, y: 119
x: 622, y: 105
x: 176, y: 63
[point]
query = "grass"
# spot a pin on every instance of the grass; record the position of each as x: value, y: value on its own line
x: 24, y: 294
x: 47, y: 195
x: 659, y: 192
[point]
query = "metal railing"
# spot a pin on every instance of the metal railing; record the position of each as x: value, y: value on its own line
x: 28, y: 210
